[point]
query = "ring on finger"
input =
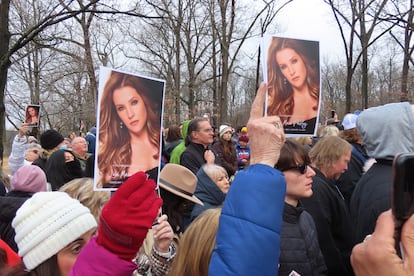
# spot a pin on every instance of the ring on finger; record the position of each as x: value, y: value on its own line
x: 367, y: 237
x: 278, y: 125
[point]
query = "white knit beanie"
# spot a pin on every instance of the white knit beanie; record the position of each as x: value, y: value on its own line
x: 46, y: 223
x: 223, y: 129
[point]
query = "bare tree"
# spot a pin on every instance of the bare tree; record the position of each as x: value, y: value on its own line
x: 231, y: 41
x: 9, y: 44
x: 404, y: 20
x: 364, y: 21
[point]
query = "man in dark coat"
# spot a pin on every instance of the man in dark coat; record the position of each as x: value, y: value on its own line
x: 329, y: 158
x: 349, y: 179
x: 198, y: 141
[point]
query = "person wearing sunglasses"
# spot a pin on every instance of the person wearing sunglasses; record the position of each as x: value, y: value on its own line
x: 329, y: 159
x: 299, y: 247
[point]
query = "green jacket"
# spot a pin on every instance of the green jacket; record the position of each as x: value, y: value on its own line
x: 180, y: 148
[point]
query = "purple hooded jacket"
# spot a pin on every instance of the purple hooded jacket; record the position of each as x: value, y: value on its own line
x: 96, y: 260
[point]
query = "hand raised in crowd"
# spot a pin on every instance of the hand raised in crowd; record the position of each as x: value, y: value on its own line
x: 377, y: 255
x: 163, y: 234
x: 209, y: 157
x: 23, y: 129
x: 266, y: 134
x: 126, y: 218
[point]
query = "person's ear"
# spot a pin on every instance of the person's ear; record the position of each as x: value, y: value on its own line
x: 194, y: 134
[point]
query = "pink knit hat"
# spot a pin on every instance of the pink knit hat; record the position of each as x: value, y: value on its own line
x: 29, y: 178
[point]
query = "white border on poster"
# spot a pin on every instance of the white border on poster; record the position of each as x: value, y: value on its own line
x: 264, y: 44
x: 104, y: 74
x: 38, y: 115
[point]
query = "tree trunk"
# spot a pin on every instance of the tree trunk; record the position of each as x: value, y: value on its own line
x: 408, y: 32
x: 4, y: 64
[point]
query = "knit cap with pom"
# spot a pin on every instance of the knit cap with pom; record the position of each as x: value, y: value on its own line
x: 223, y: 129
x: 29, y: 178
x: 46, y: 223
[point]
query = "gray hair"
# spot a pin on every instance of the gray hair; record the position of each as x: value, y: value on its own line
x: 214, y: 171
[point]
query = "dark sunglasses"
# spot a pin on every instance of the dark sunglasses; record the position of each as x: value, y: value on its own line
x: 302, y: 168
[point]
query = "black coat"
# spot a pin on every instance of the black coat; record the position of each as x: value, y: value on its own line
x: 371, y: 197
x: 60, y: 172
x: 330, y: 213
x: 193, y: 157
x: 9, y: 205
x: 350, y: 178
x: 299, y: 246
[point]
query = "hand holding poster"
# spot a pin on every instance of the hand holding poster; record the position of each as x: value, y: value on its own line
x: 292, y: 73
x: 129, y: 127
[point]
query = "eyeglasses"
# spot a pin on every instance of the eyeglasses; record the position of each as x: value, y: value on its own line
x: 302, y: 168
x: 207, y: 130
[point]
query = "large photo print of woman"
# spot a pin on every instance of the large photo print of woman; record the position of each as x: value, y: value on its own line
x: 129, y: 127
x: 292, y: 73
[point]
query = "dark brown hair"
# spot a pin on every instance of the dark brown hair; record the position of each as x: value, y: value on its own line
x: 173, y: 134
x: 194, y: 125
x: 350, y: 135
x: 291, y: 154
x: 47, y: 268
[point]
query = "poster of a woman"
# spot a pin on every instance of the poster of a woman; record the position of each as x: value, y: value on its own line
x: 292, y: 73
x: 32, y: 115
x: 129, y: 127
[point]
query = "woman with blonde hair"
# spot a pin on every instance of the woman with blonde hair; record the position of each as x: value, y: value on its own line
x: 129, y: 130
x: 212, y: 187
x: 196, y: 245
x: 82, y: 190
x: 329, y: 130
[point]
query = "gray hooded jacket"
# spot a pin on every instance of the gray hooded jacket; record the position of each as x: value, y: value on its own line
x: 386, y: 131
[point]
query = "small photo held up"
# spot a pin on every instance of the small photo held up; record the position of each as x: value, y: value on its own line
x: 32, y: 115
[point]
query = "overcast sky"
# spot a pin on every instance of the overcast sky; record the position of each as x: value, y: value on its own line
x: 312, y: 19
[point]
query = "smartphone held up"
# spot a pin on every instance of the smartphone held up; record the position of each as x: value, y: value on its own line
x: 403, y: 194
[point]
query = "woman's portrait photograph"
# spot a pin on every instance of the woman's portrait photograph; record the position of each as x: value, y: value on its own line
x: 292, y: 73
x: 129, y: 127
x: 32, y: 115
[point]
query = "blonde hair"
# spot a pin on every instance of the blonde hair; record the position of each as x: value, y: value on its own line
x: 82, y: 190
x: 327, y: 151
x: 196, y: 245
x: 329, y: 130
x: 214, y: 171
x: 304, y: 140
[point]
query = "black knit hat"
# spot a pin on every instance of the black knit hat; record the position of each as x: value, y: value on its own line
x: 50, y: 139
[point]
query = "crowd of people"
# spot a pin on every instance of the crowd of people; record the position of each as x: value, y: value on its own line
x: 241, y: 200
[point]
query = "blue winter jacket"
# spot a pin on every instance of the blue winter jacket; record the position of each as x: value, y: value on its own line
x: 248, y: 236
